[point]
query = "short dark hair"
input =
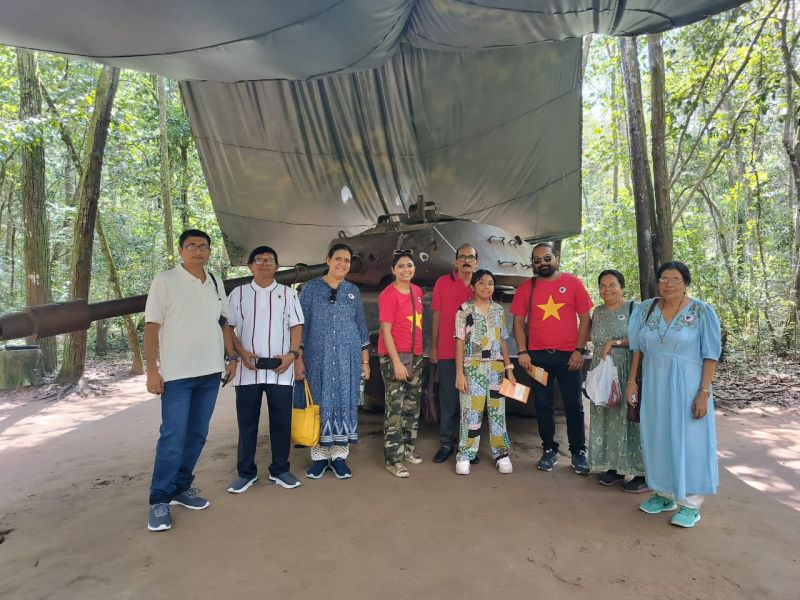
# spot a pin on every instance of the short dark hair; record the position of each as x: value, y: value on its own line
x: 619, y: 276
x: 336, y: 247
x: 193, y: 233
x: 476, y: 276
x: 679, y: 267
x: 545, y: 245
x: 462, y: 246
x: 399, y: 255
x: 262, y: 250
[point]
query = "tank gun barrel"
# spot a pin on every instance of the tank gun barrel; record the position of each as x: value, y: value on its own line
x: 47, y: 320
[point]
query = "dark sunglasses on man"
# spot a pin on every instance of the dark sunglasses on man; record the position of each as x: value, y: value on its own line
x: 546, y: 258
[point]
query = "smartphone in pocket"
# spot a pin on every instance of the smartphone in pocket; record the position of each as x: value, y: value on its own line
x: 268, y: 363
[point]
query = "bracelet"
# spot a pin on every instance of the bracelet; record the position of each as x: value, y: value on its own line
x: 522, y: 352
x: 509, y: 367
x: 365, y: 363
x: 705, y: 390
x: 632, y: 383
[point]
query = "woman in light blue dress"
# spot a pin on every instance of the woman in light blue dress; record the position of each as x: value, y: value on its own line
x: 676, y: 339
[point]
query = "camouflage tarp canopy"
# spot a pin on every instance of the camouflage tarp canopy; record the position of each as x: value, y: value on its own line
x: 315, y: 116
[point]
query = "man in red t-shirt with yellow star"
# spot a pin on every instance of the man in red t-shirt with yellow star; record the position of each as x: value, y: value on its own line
x: 556, y: 308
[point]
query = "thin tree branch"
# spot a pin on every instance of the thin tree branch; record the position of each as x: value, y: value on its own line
x: 678, y: 170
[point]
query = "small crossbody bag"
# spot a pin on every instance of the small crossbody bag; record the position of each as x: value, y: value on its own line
x: 407, y: 358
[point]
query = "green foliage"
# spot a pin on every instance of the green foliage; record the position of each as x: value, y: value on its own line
x: 736, y: 232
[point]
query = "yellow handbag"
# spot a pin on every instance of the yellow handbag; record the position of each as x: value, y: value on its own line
x: 306, y: 422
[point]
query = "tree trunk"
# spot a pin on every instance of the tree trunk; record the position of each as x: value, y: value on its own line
x: 184, y: 208
x: 791, y: 144
x: 59, y: 247
x: 165, y: 171
x: 36, y: 247
x: 83, y: 238
x: 20, y: 366
x: 137, y: 366
x: 640, y: 168
x: 101, y: 337
x: 658, y: 125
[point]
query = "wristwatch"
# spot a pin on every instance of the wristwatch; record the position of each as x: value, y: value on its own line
x: 581, y: 350
x: 232, y: 358
x: 618, y: 342
x: 295, y: 352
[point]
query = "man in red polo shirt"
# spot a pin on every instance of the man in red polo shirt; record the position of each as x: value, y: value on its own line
x: 557, y: 315
x: 449, y: 293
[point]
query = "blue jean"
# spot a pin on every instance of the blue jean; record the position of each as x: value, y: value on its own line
x: 186, y: 408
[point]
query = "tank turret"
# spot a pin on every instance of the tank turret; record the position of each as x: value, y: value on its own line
x: 433, y: 238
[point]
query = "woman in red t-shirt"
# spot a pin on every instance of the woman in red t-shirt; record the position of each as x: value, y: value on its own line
x: 400, y: 349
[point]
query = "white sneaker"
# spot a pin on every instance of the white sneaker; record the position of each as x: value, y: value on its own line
x: 462, y: 467
x: 504, y: 465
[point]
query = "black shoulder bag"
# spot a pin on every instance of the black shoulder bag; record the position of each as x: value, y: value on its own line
x: 222, y: 320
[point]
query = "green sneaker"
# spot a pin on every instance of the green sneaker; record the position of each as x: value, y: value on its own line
x: 656, y: 504
x: 686, y: 517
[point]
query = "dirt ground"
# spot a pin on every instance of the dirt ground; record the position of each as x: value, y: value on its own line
x: 73, y: 499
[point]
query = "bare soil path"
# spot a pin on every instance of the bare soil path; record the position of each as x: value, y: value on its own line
x: 74, y: 475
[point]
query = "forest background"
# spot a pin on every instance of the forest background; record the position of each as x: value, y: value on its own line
x: 690, y: 150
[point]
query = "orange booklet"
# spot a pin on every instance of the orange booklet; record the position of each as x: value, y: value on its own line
x: 515, y: 391
x: 537, y: 374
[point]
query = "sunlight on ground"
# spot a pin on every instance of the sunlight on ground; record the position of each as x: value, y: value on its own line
x: 760, y: 447
x: 775, y: 467
x: 39, y: 422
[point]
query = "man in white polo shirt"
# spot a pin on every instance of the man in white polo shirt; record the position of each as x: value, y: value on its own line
x: 268, y: 323
x: 183, y: 316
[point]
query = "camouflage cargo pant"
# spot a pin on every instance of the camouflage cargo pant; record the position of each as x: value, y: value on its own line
x: 401, y: 419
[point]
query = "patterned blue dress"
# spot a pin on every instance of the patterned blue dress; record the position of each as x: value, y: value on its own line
x: 680, y: 452
x: 333, y: 337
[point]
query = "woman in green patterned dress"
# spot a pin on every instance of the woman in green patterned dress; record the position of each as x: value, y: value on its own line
x: 614, y: 444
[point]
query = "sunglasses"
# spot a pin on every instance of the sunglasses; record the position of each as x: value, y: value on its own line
x: 403, y: 251
x: 547, y: 258
x: 332, y: 297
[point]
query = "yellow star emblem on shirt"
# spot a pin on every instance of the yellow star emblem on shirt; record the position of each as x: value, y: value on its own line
x: 551, y: 308
x: 419, y: 320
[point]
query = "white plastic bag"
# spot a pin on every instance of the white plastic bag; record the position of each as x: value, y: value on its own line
x: 602, y: 384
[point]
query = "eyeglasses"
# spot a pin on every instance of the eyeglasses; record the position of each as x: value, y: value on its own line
x: 546, y: 258
x: 466, y: 257
x: 670, y: 280
x: 403, y: 251
x: 193, y: 247
x: 264, y: 261
x: 332, y: 297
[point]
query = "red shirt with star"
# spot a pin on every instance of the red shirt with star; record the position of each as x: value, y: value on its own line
x: 395, y: 307
x: 552, y: 312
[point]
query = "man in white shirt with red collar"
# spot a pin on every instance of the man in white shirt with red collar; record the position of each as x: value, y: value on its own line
x: 268, y: 324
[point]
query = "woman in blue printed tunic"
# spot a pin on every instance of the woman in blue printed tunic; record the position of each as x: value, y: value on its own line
x: 677, y: 340
x: 336, y: 357
x: 481, y: 361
